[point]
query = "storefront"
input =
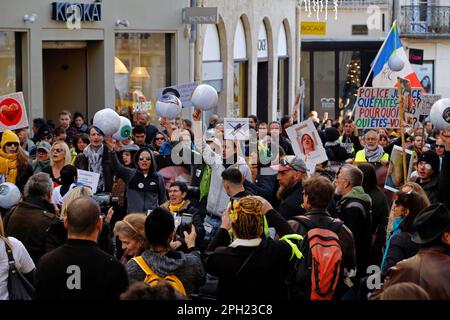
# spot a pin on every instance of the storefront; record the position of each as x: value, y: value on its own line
x: 90, y: 55
x: 333, y: 72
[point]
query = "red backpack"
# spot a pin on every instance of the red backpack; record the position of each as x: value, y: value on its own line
x: 320, y: 270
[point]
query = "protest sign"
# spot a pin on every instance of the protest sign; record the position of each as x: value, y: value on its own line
x: 236, y: 128
x: 182, y: 91
x: 425, y: 107
x: 88, y: 179
x: 395, y: 178
x: 13, y: 114
x: 307, y: 144
x: 379, y: 107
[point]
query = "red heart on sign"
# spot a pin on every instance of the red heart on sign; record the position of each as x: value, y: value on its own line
x: 10, y: 112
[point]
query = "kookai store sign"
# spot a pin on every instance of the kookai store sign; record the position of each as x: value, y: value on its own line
x: 66, y: 11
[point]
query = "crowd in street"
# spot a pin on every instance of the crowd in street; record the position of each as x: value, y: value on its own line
x: 182, y: 213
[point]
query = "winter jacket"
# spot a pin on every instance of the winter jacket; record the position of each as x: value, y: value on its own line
x: 38, y: 166
x: 143, y: 193
x: 265, y: 185
x: 291, y: 205
x: 57, y: 236
x: 217, y: 197
x: 81, y: 162
x: 380, y: 216
x: 29, y: 222
x: 351, y: 144
x: 336, y: 152
x: 355, y: 210
x: 197, y: 221
x: 187, y: 267
x: 262, y: 278
x: 400, y: 247
x: 322, y: 218
x: 429, y: 269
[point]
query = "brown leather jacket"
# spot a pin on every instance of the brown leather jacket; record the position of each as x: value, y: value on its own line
x: 429, y: 268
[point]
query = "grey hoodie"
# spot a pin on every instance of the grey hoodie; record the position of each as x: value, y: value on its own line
x: 187, y: 267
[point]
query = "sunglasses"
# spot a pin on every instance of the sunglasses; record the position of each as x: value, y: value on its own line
x: 162, y: 138
x: 440, y: 146
x: 9, y: 144
x: 146, y: 158
x: 57, y: 150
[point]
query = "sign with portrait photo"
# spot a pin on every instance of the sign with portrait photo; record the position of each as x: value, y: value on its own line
x: 307, y: 144
x: 425, y: 73
x: 395, y: 178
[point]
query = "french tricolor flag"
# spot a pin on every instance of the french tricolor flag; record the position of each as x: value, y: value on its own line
x: 383, y: 75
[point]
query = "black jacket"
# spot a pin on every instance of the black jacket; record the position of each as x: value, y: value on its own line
x: 197, y: 221
x: 101, y: 277
x: 356, y: 144
x: 81, y: 162
x: 262, y: 278
x: 57, y: 236
x: 356, y: 215
x: 336, y: 153
x: 291, y: 205
x: 400, y: 248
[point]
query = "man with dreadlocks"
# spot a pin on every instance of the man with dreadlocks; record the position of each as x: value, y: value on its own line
x: 250, y: 267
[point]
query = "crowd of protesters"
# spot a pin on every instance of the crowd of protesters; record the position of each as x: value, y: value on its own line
x: 182, y: 213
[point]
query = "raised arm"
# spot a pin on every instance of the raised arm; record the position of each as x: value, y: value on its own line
x: 209, y: 156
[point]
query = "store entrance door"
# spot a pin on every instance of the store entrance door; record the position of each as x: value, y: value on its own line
x: 64, y: 78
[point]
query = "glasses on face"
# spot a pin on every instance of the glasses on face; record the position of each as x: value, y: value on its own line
x: 440, y: 146
x: 57, y: 150
x: 145, y: 158
x: 9, y: 144
x: 159, y: 138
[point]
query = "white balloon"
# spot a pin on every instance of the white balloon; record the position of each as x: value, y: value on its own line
x: 168, y: 106
x: 107, y: 120
x: 396, y: 63
x: 124, y: 131
x: 204, y: 97
x: 440, y: 114
x: 9, y: 195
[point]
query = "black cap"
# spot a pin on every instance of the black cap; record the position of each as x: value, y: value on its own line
x: 431, y: 158
x: 430, y: 223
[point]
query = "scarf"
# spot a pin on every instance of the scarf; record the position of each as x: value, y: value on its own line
x: 396, y: 229
x: 8, y: 166
x: 176, y: 207
x: 95, y: 163
x: 374, y: 155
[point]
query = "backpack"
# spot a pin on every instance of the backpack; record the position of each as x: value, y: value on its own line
x: 316, y: 276
x: 153, y: 279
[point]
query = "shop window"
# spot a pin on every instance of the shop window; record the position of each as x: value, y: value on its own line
x: 349, y: 79
x: 324, y: 83
x: 10, y: 63
x: 142, y: 65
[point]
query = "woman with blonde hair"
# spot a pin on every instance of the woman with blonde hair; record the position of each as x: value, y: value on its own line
x: 59, y: 157
x: 240, y: 265
x: 57, y: 233
x: 14, y: 163
x: 22, y: 260
x: 131, y: 233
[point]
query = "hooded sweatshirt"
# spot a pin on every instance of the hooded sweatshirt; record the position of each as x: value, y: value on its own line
x: 355, y: 210
x: 187, y: 267
x: 8, y: 162
x: 143, y: 193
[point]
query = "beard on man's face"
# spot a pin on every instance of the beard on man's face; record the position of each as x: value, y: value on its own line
x: 282, y: 192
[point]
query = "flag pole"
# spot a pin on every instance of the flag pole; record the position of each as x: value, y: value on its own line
x: 402, y: 128
x: 394, y: 24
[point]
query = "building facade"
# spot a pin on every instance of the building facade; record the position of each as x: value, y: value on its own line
x: 251, y: 56
x: 337, y: 48
x: 88, y: 55
x: 425, y: 25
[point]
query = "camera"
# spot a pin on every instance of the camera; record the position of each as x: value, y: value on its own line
x: 105, y: 200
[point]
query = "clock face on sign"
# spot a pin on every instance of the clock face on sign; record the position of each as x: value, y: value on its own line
x: 10, y: 112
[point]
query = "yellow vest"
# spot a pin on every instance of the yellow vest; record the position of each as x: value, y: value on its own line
x: 361, y: 156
